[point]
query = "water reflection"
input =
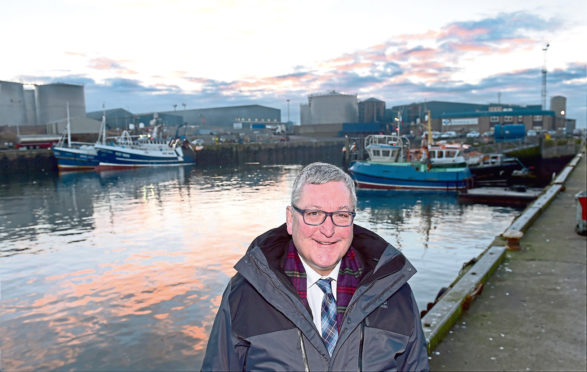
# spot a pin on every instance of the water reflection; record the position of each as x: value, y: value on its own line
x: 124, y: 270
x: 433, y: 230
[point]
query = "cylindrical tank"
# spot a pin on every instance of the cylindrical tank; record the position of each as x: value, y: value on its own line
x: 30, y: 107
x: 52, y: 101
x: 305, y: 114
x: 333, y: 108
x: 558, y: 104
x: 12, y: 104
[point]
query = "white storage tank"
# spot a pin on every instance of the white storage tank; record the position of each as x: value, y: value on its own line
x: 12, y: 104
x: 30, y: 107
x: 52, y: 100
x: 305, y: 114
x: 333, y: 108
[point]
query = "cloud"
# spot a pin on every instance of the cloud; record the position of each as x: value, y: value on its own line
x: 108, y: 64
x: 408, y: 68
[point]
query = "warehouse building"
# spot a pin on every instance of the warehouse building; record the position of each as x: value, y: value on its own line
x: 226, y: 117
x: 465, y: 117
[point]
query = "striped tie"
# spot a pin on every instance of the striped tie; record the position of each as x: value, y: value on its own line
x: 329, y: 331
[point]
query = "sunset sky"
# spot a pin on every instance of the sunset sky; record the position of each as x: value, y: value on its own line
x: 147, y: 56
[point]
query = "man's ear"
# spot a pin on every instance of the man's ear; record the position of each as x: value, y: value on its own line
x: 289, y: 219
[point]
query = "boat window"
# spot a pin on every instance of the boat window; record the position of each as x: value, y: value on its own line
x: 451, y: 154
x: 385, y: 153
x: 376, y: 153
x: 440, y: 155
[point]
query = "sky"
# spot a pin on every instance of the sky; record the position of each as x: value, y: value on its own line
x: 147, y: 56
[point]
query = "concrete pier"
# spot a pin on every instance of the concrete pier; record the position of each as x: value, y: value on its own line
x: 531, y: 313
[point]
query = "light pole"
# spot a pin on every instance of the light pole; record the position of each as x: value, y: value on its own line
x: 545, y: 49
x: 287, y: 110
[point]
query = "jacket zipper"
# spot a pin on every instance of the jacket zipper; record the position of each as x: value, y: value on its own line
x: 304, y: 356
x: 304, y: 353
x: 361, y: 345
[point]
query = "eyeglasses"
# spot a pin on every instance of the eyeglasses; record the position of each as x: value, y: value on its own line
x: 316, y: 217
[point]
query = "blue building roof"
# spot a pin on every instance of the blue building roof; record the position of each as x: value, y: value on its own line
x: 514, y: 112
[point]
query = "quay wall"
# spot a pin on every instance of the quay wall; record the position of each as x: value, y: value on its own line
x: 222, y: 155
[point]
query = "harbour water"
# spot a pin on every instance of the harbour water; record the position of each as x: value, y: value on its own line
x: 124, y: 270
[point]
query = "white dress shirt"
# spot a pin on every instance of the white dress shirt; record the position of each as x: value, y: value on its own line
x: 315, y: 294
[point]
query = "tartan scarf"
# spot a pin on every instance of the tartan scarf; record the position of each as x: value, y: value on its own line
x: 349, y: 276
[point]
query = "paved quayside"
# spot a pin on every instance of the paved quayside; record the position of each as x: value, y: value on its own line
x: 531, y: 313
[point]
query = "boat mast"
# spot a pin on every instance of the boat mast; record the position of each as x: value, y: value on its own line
x: 429, y: 128
x: 68, y: 127
x: 102, y: 135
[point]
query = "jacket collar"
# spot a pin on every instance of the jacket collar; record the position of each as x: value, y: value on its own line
x: 380, y: 258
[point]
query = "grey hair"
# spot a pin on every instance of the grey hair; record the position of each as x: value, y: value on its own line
x: 318, y: 174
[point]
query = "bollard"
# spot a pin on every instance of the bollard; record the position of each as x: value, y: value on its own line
x: 513, y: 239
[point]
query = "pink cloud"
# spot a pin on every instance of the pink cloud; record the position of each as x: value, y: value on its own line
x: 103, y: 63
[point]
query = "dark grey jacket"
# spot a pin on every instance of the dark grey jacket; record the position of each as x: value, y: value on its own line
x: 263, y: 325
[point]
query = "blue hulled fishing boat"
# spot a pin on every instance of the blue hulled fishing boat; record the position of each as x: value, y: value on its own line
x: 128, y: 152
x: 390, y: 166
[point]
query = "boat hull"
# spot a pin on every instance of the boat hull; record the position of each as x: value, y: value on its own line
x: 75, y: 158
x: 121, y: 157
x: 381, y: 176
x: 501, y: 171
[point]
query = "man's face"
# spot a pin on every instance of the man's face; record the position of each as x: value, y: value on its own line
x: 324, y: 245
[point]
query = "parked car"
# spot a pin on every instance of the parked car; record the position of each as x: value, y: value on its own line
x: 531, y: 133
x: 473, y: 134
x: 449, y: 134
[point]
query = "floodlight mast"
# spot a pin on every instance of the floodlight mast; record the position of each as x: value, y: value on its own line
x: 545, y: 49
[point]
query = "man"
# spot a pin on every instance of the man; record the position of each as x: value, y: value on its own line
x: 319, y: 293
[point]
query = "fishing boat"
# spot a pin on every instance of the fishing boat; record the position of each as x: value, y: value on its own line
x: 129, y: 152
x: 72, y: 155
x: 442, y: 154
x: 391, y: 166
x: 494, y: 166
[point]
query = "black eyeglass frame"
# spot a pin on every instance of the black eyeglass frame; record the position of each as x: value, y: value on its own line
x: 326, y: 214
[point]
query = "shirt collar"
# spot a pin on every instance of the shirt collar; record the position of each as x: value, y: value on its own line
x: 312, y: 276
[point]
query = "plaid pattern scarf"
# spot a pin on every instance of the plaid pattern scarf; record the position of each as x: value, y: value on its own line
x: 349, y: 276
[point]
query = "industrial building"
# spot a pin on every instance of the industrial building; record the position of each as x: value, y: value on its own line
x: 371, y: 110
x: 336, y: 114
x: 329, y: 108
x: 226, y: 117
x: 465, y: 117
x: 219, y: 118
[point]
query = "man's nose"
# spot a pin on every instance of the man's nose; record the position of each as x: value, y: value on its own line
x: 327, y: 227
